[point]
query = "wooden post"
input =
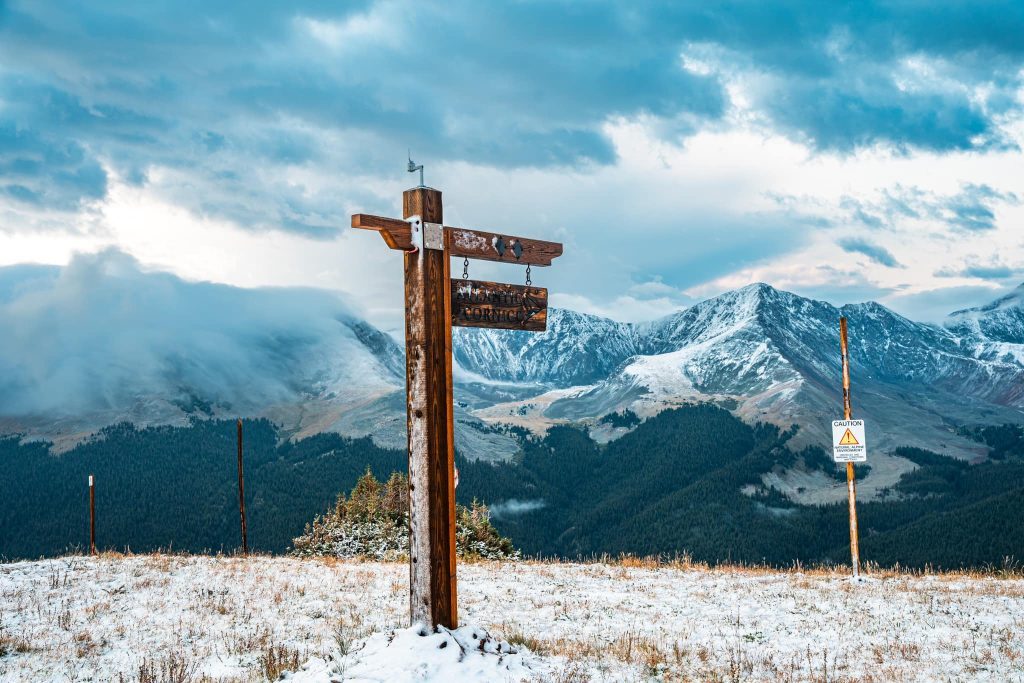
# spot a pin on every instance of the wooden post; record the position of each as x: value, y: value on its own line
x: 428, y: 347
x: 429, y: 245
x: 851, y: 482
x: 241, y: 492
x: 92, y: 516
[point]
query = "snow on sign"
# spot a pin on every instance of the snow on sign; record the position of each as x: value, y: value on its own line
x: 848, y: 442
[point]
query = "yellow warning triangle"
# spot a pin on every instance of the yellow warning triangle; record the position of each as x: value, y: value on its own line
x: 849, y: 439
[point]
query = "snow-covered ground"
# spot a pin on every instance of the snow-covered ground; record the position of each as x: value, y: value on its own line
x: 172, y: 618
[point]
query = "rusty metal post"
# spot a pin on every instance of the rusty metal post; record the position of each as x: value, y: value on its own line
x: 92, y: 516
x: 241, y: 492
x: 851, y: 481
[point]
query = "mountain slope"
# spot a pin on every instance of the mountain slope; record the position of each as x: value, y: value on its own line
x: 102, y: 341
x: 576, y: 349
x: 999, y: 321
x: 774, y: 356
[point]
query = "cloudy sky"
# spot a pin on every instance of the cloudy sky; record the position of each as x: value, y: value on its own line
x: 846, y: 151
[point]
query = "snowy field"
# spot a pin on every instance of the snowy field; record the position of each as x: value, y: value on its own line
x: 157, y: 619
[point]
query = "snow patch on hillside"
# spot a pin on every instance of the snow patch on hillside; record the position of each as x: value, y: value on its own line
x: 530, y: 413
x: 468, y: 654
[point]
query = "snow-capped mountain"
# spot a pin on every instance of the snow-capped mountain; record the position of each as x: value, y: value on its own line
x: 102, y: 341
x: 575, y: 349
x: 774, y: 356
x: 1000, y: 321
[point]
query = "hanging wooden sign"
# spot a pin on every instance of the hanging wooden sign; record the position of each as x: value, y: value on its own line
x: 476, y: 303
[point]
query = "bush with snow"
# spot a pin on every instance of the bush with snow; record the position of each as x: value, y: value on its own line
x: 373, y: 523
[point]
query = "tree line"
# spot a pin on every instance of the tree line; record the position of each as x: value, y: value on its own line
x: 688, y: 480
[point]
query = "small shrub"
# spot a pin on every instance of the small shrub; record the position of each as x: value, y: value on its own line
x: 373, y: 523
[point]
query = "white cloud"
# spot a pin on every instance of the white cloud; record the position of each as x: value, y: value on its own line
x: 643, y: 236
x: 104, y: 332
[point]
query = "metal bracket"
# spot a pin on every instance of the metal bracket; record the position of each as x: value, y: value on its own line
x: 433, y: 236
x: 426, y: 235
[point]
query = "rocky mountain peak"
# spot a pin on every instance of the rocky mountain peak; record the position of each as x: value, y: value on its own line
x: 1001, y: 320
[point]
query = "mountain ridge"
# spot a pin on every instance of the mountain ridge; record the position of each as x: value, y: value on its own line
x: 305, y: 360
x: 773, y: 356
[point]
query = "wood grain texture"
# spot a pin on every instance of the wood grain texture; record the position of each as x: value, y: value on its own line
x: 493, y: 246
x: 432, y: 585
x: 476, y: 303
x: 464, y: 242
x: 396, y: 233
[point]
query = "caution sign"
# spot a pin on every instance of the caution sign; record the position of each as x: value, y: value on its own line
x: 848, y: 442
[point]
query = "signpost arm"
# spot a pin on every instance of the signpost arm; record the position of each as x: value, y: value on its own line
x: 428, y: 345
x: 851, y: 482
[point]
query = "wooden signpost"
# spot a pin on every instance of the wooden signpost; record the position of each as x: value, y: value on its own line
x: 433, y: 303
x: 851, y: 482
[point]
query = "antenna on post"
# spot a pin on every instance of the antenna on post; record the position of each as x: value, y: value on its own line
x: 413, y: 167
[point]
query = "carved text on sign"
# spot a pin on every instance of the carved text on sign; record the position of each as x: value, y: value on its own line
x: 494, y: 304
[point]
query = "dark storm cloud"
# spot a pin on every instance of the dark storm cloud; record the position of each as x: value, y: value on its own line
x: 972, y: 209
x: 873, y: 251
x: 50, y: 173
x: 992, y: 270
x: 934, y: 305
x: 235, y: 94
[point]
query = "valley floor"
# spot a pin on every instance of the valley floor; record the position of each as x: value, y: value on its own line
x: 159, y: 618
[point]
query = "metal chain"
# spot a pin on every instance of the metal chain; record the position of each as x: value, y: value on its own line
x: 465, y: 268
x: 528, y: 280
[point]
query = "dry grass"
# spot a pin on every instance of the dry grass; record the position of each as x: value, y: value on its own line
x: 1009, y: 568
x: 10, y: 645
x: 170, y: 618
x: 174, y: 668
x: 277, y: 659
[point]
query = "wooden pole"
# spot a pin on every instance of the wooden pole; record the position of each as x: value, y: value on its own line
x: 92, y: 516
x: 851, y: 482
x: 241, y: 492
x: 428, y: 346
